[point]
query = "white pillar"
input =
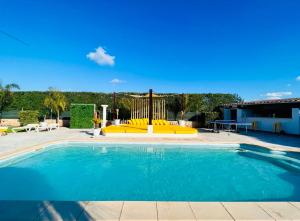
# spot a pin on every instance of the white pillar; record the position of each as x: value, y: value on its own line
x: 103, y: 124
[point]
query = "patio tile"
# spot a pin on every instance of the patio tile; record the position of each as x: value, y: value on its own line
x: 210, y: 211
x: 175, y: 211
x: 20, y: 210
x: 102, y: 211
x: 246, y: 211
x: 296, y: 204
x: 139, y: 211
x: 281, y: 210
x: 62, y: 211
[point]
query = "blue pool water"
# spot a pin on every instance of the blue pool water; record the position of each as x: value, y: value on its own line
x: 151, y: 172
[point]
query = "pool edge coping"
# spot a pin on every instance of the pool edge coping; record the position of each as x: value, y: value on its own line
x: 37, y: 147
x: 33, y: 148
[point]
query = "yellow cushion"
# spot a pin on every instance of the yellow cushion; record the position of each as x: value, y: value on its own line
x: 163, y: 129
x: 114, y: 129
x: 162, y: 122
x: 186, y: 132
x: 141, y: 121
x: 166, y: 122
x: 135, y: 130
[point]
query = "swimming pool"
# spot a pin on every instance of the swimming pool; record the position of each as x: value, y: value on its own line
x: 86, y: 171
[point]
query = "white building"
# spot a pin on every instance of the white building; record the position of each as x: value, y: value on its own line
x: 267, y: 115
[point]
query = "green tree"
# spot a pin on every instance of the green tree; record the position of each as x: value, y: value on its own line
x: 173, y: 104
x: 6, y: 96
x: 55, y: 101
x: 184, y: 104
x: 196, y: 103
x: 124, y: 105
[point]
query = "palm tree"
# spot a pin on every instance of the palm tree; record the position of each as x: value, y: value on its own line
x: 55, y: 101
x: 6, y: 95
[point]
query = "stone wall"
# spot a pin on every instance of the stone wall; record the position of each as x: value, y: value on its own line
x: 10, y: 122
x: 16, y: 122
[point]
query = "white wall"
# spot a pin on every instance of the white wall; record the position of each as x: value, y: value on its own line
x: 288, y: 125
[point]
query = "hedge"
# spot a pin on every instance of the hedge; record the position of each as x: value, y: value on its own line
x: 198, y: 103
x: 28, y: 117
x: 82, y: 115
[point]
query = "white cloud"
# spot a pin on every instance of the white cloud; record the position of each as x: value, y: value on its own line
x: 117, y: 81
x: 101, y: 57
x: 278, y: 95
x: 298, y: 78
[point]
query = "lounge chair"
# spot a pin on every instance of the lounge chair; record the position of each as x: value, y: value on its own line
x: 42, y: 126
x: 27, y: 128
x: 46, y: 126
x: 53, y: 126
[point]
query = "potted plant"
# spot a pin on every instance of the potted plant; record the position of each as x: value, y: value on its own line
x: 117, y: 120
x: 96, y: 121
x: 184, y: 108
x: 182, y: 121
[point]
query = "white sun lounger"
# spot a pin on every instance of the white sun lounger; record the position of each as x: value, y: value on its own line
x: 53, y: 126
x: 42, y: 126
x: 27, y: 128
x: 45, y: 126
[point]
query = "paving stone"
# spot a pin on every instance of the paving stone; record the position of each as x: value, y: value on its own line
x: 62, y: 211
x: 210, y: 211
x: 296, y: 204
x: 109, y: 211
x: 174, y: 211
x: 281, y: 210
x: 246, y: 211
x: 139, y: 211
x: 21, y: 210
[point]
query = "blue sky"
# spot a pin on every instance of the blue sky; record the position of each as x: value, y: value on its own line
x: 251, y: 48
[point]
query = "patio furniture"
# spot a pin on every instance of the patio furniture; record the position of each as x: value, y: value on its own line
x: 228, y: 124
x: 42, y: 126
x: 53, y: 126
x: 27, y: 128
x: 45, y: 126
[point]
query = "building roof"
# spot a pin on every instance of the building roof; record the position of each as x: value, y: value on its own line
x: 265, y: 102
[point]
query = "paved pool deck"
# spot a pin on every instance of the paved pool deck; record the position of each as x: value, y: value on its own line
x: 129, y: 210
x: 13, y: 144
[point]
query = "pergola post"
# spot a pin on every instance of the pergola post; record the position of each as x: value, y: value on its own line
x: 114, y: 105
x: 150, y: 126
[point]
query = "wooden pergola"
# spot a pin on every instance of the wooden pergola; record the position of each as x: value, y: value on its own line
x: 140, y: 106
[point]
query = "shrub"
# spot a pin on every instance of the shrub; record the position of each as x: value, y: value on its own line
x: 82, y: 115
x: 210, y: 116
x: 28, y: 117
